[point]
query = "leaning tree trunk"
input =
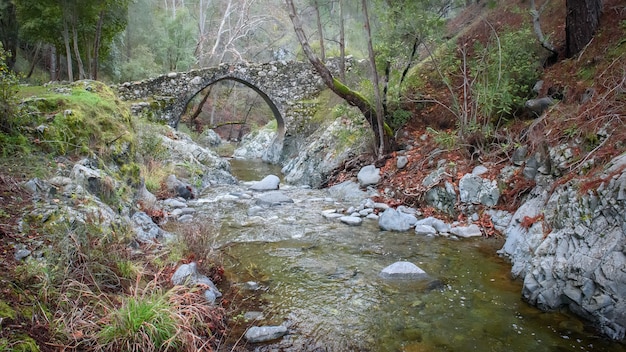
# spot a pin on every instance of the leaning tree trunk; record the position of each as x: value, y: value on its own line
x: 583, y: 18
x: 352, y: 97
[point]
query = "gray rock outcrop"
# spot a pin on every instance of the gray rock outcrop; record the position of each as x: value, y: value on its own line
x: 474, y: 189
x: 570, y: 251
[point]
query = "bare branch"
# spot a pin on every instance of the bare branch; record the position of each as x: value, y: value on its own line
x: 537, y: 26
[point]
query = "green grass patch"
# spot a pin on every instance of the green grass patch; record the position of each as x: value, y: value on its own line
x: 140, y: 324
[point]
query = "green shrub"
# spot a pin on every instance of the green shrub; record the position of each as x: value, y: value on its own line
x: 8, y: 90
x: 504, y: 72
x: 398, y: 119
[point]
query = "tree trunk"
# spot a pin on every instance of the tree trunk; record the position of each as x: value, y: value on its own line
x: 372, y: 58
x: 320, y: 31
x: 351, y: 97
x: 342, y: 44
x: 416, y: 45
x: 537, y: 28
x: 79, y: 61
x: 53, y: 64
x: 35, y: 60
x: 68, y: 52
x: 9, y: 32
x: 581, y: 23
x: 96, y: 46
x: 198, y: 110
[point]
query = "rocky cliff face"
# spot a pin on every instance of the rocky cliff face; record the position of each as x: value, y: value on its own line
x: 574, y: 254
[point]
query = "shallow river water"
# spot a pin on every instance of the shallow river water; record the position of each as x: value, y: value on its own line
x: 320, y: 278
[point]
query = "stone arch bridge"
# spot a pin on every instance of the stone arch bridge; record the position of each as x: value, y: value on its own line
x: 286, y: 87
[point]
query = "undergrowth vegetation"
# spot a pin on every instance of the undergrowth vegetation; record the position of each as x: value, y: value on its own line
x: 85, y: 287
x: 487, y: 84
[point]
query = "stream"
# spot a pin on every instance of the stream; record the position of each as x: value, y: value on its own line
x: 320, y: 278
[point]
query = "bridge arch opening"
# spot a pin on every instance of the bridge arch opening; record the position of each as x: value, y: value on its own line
x: 241, y: 93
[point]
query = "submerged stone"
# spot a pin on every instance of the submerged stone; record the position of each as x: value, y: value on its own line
x: 265, y: 333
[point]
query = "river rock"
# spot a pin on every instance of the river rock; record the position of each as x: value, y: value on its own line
x: 265, y: 333
x: 521, y: 242
x: 174, y: 203
x: 209, y: 138
x: 369, y: 175
x: 273, y: 198
x: 269, y: 183
x: 254, y: 144
x: 479, y: 170
x: 402, y: 162
x: 425, y: 230
x: 435, y: 223
x: 21, y: 254
x: 255, y: 210
x: 36, y: 186
x: 178, y: 187
x: 253, y: 315
x: 146, y: 231
x: 404, y: 271
x: 393, y: 220
x: 539, y: 105
x: 519, y: 155
x: 475, y: 189
x: 348, y: 191
x: 91, y: 179
x: 146, y: 198
x: 187, y: 274
x: 466, y: 231
x: 442, y: 198
x: 331, y: 214
x: 351, y: 220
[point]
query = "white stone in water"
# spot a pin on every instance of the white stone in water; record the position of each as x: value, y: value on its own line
x: 425, y: 230
x: 403, y: 270
x: 269, y: 183
x: 331, y: 214
x: 351, y: 220
x: 372, y: 217
x: 265, y: 333
x: 467, y: 231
